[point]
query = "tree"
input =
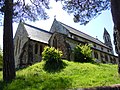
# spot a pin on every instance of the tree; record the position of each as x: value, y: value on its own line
x: 115, y: 10
x: 8, y: 49
x: 85, y: 10
x: 15, y: 11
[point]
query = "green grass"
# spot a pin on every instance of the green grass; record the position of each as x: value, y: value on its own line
x: 74, y: 75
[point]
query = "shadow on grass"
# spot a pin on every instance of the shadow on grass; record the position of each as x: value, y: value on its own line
x: 2, y: 84
x: 60, y: 83
x: 30, y: 83
x: 54, y: 66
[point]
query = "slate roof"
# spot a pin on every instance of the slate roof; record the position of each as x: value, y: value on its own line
x: 41, y: 35
x: 37, y: 34
x: 83, y: 35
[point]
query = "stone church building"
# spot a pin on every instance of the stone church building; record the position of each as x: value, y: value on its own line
x: 29, y: 42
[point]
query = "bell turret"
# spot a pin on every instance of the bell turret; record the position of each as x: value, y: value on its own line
x: 107, y: 40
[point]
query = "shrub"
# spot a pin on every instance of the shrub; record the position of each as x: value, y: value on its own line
x: 53, y: 59
x: 83, y: 53
x: 51, y: 54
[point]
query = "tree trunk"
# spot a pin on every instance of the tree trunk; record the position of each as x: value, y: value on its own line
x: 8, y: 47
x: 115, y: 10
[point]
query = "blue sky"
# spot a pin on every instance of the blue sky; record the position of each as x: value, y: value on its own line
x: 94, y: 28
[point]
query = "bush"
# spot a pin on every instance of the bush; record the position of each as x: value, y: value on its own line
x: 51, y: 54
x: 83, y: 53
x: 53, y: 59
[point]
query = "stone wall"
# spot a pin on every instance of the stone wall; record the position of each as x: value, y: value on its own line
x: 60, y: 40
x: 28, y: 54
x: 20, y: 40
x: 23, y: 58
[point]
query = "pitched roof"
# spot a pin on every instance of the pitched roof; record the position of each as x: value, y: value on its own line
x: 105, y: 32
x: 37, y: 34
x: 41, y: 35
x: 83, y: 35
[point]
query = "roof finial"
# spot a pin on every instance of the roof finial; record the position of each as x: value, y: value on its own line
x: 54, y: 16
x: 21, y: 20
x: 96, y: 37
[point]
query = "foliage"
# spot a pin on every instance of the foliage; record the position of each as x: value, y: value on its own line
x: 83, y: 53
x: 85, y: 10
x: 53, y: 59
x: 51, y: 54
x: 75, y: 75
x: 27, y: 9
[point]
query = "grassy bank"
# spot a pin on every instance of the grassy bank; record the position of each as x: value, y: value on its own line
x: 74, y: 75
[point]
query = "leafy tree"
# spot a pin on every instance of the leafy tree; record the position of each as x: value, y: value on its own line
x: 8, y: 49
x: 115, y: 9
x: 85, y: 10
x: 83, y: 53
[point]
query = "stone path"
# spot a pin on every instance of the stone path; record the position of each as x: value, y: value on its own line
x: 113, y: 87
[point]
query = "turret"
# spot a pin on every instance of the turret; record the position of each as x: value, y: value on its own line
x: 107, y: 40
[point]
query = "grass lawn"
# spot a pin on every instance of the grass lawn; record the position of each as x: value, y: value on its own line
x: 74, y: 75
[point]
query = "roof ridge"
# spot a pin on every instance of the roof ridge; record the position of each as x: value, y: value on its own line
x: 79, y: 31
x: 82, y: 33
x: 37, y: 28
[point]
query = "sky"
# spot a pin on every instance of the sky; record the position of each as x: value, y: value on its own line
x: 94, y: 28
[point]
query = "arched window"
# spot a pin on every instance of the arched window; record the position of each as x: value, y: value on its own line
x: 16, y: 47
x: 114, y: 61
x: 101, y: 55
x: 111, y: 60
x: 36, y: 48
x: 19, y: 46
x: 41, y: 49
x: 55, y: 43
x: 106, y: 39
x: 96, y: 55
x: 106, y: 58
x: 94, y: 45
x: 101, y: 48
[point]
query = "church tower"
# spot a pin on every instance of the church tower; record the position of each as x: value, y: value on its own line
x: 107, y: 39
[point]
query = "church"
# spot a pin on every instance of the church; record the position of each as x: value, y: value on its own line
x: 29, y: 42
